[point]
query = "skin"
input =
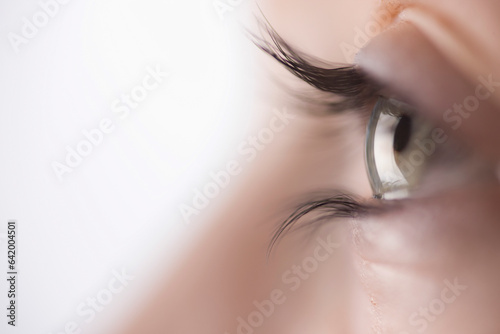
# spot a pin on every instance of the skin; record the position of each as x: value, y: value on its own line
x: 391, y: 269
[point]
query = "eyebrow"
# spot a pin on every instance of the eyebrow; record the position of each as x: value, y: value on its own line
x: 348, y: 82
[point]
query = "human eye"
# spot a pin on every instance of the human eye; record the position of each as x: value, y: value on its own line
x: 402, y: 147
x: 416, y: 149
x: 397, y: 151
x: 432, y: 167
x: 406, y: 154
x: 392, y: 134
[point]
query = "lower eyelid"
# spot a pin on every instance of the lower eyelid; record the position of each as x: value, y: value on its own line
x: 456, y: 173
x: 420, y: 229
x: 329, y: 207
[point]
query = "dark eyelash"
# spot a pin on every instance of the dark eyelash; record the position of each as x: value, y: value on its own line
x: 345, y: 81
x: 348, y: 82
x: 336, y: 205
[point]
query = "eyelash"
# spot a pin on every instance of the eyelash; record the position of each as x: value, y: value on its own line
x: 339, y: 205
x: 346, y: 81
x: 329, y: 207
x: 357, y: 92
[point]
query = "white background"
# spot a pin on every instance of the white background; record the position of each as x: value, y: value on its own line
x: 120, y: 207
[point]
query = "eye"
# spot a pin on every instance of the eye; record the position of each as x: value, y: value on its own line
x: 394, y: 135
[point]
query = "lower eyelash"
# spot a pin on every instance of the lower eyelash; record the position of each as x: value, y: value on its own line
x: 333, y: 206
x: 330, y: 206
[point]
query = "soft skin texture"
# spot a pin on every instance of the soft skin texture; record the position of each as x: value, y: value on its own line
x: 453, y: 233
x: 431, y: 265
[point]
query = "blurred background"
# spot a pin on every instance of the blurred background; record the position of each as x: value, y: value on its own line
x: 113, y: 113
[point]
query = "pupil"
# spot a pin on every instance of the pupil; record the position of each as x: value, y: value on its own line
x: 402, y: 134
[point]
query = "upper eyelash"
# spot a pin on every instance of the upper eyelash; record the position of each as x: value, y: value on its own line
x: 357, y: 90
x: 346, y: 81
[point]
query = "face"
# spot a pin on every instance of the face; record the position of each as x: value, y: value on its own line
x: 427, y: 257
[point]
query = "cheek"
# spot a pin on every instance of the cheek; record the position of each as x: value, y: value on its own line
x: 435, y: 263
